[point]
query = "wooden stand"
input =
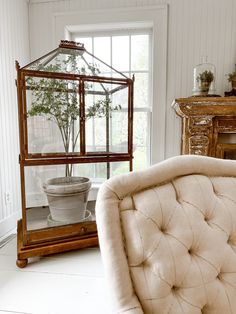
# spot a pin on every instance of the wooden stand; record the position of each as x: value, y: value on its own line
x: 26, y: 251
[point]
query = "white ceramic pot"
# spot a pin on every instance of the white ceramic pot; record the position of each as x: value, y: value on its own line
x: 67, y: 198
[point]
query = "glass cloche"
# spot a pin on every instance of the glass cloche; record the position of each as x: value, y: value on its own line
x: 204, y: 78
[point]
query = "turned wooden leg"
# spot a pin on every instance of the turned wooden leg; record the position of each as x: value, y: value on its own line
x: 21, y: 262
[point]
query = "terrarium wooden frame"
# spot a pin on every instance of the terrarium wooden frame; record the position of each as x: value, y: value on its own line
x: 56, y: 239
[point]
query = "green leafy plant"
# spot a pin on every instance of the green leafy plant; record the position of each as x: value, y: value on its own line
x: 206, y: 76
x: 58, y: 100
x: 232, y: 76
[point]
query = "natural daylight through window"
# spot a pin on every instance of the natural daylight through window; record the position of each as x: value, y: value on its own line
x: 128, y: 51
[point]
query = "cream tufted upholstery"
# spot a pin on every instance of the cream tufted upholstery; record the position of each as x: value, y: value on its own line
x: 168, y: 237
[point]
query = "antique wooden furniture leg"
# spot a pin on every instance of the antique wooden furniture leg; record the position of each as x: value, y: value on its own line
x: 20, y: 262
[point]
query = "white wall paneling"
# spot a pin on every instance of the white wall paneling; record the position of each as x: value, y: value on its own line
x: 14, y: 45
x: 195, y: 28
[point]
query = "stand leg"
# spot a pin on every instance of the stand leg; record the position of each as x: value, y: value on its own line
x: 21, y: 262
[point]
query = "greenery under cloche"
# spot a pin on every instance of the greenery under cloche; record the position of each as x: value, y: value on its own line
x: 206, y: 76
x: 232, y: 75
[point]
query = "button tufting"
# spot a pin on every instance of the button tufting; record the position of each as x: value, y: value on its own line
x: 179, y: 200
x: 219, y: 276
x: 190, y: 251
x: 163, y: 229
x: 230, y: 241
x: 207, y: 220
x: 204, y: 308
x: 170, y: 247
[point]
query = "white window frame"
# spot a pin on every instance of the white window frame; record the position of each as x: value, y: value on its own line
x: 129, y: 32
x: 156, y: 17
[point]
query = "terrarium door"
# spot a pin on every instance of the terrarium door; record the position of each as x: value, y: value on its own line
x: 53, y: 116
x: 76, y: 117
x: 46, y: 216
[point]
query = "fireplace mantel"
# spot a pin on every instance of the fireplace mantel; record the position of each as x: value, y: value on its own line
x: 208, y: 125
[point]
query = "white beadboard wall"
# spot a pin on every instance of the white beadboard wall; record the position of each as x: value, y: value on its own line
x: 195, y: 28
x: 14, y: 45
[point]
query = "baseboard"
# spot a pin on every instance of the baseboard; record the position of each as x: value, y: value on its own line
x: 9, y: 223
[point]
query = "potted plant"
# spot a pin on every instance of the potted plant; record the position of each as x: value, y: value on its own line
x: 205, y: 79
x: 232, y: 78
x: 58, y: 101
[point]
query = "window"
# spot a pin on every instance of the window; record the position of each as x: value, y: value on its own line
x: 128, y: 51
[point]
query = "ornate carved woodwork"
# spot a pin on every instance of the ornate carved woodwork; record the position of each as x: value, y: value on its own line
x: 208, y: 125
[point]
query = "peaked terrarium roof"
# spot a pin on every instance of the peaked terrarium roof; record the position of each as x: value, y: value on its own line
x: 72, y: 58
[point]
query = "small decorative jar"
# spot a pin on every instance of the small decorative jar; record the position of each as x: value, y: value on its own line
x: 204, y: 79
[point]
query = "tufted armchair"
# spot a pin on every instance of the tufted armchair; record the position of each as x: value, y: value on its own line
x: 168, y: 237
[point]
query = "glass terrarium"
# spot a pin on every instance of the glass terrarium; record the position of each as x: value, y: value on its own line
x: 204, y: 79
x: 75, y: 125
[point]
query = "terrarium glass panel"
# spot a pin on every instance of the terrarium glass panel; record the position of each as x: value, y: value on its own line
x: 120, y: 97
x: 98, y: 172
x: 72, y: 61
x: 106, y: 117
x: 119, y: 131
x: 44, y: 208
x: 53, y: 111
x: 119, y: 122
